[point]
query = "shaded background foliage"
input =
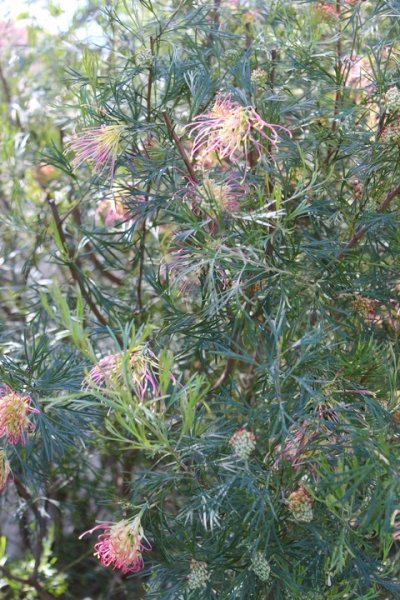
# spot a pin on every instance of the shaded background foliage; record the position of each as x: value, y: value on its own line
x: 277, y: 313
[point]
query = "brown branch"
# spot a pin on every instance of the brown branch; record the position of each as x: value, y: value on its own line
x: 25, y: 494
x: 150, y: 83
x: 91, y: 255
x: 360, y: 233
x: 148, y: 188
x: 231, y: 362
x: 338, y: 93
x: 8, y: 98
x: 42, y: 592
x: 179, y: 145
x: 274, y: 57
x: 141, y: 265
x: 339, y: 82
x: 99, y: 265
x: 71, y: 264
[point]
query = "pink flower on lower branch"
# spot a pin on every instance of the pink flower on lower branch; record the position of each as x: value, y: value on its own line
x: 140, y: 363
x: 121, y: 545
x: 231, y: 131
x: 99, y: 145
x: 15, y: 409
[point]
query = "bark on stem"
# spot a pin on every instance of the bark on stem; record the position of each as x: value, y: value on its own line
x: 360, y: 233
x: 179, y: 146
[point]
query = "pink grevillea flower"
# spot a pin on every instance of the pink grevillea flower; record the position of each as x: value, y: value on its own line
x: 326, y: 12
x: 231, y: 131
x: 11, y: 35
x: 5, y: 470
x: 296, y: 448
x: 141, y: 365
x: 359, y: 73
x: 14, y: 415
x: 121, y: 545
x: 210, y: 199
x: 222, y: 196
x: 111, y: 211
x: 99, y: 145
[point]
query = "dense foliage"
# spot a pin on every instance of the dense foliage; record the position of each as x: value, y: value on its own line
x: 200, y: 302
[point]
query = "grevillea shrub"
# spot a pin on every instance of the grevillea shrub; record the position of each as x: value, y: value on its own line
x: 200, y: 303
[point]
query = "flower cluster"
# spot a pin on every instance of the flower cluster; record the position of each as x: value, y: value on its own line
x: 230, y: 130
x: 15, y: 409
x: 326, y: 12
x: 300, y: 505
x: 296, y: 448
x: 218, y: 196
x: 260, y: 566
x: 99, y: 145
x: 357, y: 188
x: 391, y: 134
x: 121, y: 545
x: 366, y: 307
x: 392, y: 99
x: 141, y: 363
x: 231, y: 56
x: 259, y: 77
x: 198, y: 576
x: 243, y: 443
x: 111, y: 211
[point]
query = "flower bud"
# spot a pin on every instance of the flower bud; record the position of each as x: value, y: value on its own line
x: 260, y: 566
x: 300, y: 505
x: 243, y: 443
x: 198, y: 576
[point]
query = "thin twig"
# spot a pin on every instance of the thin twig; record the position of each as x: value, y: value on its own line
x: 142, y: 245
x: 24, y: 493
x: 179, y: 146
x: 42, y: 592
x: 8, y: 98
x: 72, y: 266
x: 338, y: 94
x: 360, y: 233
x: 91, y: 254
x: 141, y: 265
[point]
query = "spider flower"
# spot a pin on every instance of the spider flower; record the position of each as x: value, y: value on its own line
x: 4, y: 470
x: 111, y: 211
x: 99, y: 145
x: 231, y: 130
x: 326, y: 12
x: 295, y: 449
x: 215, y: 197
x: 121, y: 545
x: 140, y: 365
x: 15, y: 409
